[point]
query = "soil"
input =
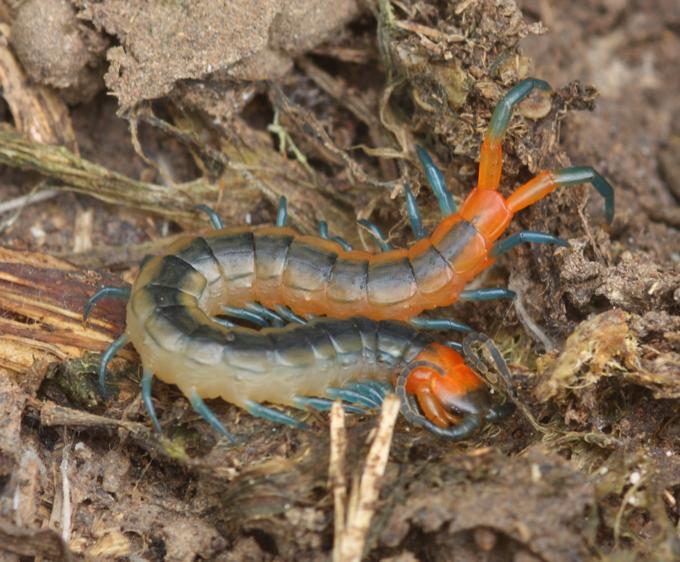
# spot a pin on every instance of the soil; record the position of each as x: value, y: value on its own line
x: 145, y: 110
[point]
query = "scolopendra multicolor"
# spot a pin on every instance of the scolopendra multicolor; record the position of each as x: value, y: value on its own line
x: 170, y: 313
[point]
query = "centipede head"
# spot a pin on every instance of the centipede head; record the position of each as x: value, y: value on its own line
x: 445, y: 388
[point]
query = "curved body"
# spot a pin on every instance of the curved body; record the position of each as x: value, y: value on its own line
x: 168, y: 321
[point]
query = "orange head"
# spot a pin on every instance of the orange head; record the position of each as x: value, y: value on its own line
x: 445, y: 387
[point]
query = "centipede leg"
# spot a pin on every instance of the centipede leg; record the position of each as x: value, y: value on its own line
x: 455, y: 345
x: 245, y: 314
x: 215, y: 219
x: 546, y: 182
x: 440, y: 324
x: 367, y: 390
x: 201, y: 408
x: 265, y: 313
x: 147, y: 379
x: 491, y: 156
x: 487, y: 294
x: 114, y: 348
x: 288, y: 315
x: 323, y: 232
x: 224, y: 322
x: 377, y: 234
x: 526, y: 236
x: 104, y: 292
x: 435, y: 179
x: 260, y: 411
x: 351, y: 396
x: 413, y: 214
x: 282, y: 212
x: 323, y: 404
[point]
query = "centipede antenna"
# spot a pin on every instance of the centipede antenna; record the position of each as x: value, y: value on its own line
x: 245, y: 314
x: 288, y: 315
x: 351, y: 396
x: 260, y: 411
x: 323, y: 404
x: 441, y: 324
x: 201, y: 408
x: 413, y: 213
x: 487, y: 294
x: 106, y: 357
x: 282, y: 212
x: 265, y: 313
x: 377, y: 234
x: 104, y: 292
x: 501, y: 115
x: 435, y: 179
x: 586, y: 174
x: 526, y: 236
x: 147, y: 379
x: 215, y: 219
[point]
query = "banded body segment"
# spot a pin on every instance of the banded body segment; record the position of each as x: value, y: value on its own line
x: 307, y: 272
x: 276, y: 266
x: 235, y: 253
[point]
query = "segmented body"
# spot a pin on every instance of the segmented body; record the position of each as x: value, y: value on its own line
x: 311, y: 275
x: 170, y: 314
x: 169, y: 322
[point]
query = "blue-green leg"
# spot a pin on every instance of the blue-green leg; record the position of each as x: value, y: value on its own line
x: 441, y: 324
x: 289, y: 316
x: 323, y: 404
x: 362, y: 387
x: 114, y: 348
x: 413, y: 214
x: 260, y: 411
x: 586, y: 174
x: 282, y: 212
x: 147, y: 378
x: 224, y: 322
x: 435, y: 179
x: 265, y: 313
x: 501, y: 115
x: 323, y: 232
x: 487, y: 294
x: 245, y: 314
x: 351, y: 396
x: 215, y: 219
x: 456, y: 346
x: 526, y: 236
x: 377, y: 234
x: 201, y: 408
x: 105, y: 292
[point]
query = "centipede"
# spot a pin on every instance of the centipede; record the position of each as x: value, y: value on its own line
x: 353, y: 315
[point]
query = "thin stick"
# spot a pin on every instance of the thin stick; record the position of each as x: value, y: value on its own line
x: 352, y: 541
x: 336, y: 472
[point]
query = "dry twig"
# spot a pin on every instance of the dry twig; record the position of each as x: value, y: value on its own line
x: 351, y: 530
